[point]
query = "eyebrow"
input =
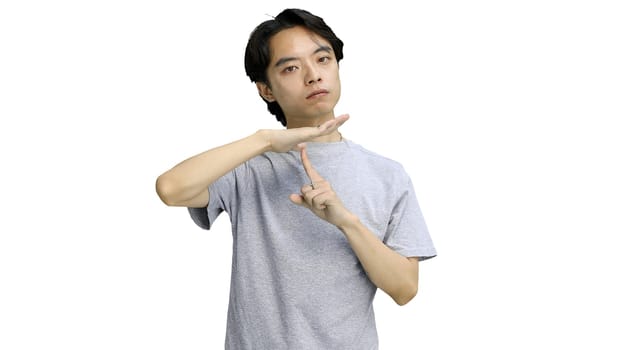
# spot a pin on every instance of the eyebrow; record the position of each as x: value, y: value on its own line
x: 322, y: 48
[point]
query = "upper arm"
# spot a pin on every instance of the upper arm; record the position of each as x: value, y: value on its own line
x: 414, y: 264
x: 199, y: 201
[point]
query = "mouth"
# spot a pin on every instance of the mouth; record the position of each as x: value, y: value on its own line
x: 317, y: 93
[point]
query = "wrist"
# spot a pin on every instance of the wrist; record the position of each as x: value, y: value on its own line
x: 349, y: 223
x: 264, y: 140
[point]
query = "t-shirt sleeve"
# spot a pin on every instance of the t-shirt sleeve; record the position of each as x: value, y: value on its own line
x: 407, y: 232
x: 221, y: 197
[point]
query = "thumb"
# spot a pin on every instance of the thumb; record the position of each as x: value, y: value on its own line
x: 297, y: 199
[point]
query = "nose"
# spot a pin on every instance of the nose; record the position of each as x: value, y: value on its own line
x: 313, y: 75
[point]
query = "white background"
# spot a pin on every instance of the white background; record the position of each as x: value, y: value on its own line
x: 505, y: 114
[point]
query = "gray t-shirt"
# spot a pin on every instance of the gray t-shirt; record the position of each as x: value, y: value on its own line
x: 295, y: 281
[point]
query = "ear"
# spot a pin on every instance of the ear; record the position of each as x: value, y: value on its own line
x: 265, y: 91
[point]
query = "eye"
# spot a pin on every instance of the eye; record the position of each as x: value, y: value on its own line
x: 290, y: 69
x: 324, y: 59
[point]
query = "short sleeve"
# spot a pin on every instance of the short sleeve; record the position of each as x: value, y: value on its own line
x: 221, y: 196
x: 407, y: 232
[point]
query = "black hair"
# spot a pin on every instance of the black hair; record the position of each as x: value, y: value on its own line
x: 257, y: 56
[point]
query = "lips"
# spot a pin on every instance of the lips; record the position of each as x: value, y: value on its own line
x: 319, y: 92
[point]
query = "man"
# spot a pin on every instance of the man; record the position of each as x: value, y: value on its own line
x: 319, y: 223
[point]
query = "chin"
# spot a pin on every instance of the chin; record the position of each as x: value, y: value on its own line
x: 325, y: 106
x: 321, y: 112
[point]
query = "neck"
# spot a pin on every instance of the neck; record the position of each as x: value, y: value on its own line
x: 335, y: 136
x: 303, y: 120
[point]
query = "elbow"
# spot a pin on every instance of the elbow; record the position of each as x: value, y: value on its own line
x: 165, y: 190
x: 406, y: 295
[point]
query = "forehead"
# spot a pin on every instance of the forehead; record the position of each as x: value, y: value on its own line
x: 296, y: 42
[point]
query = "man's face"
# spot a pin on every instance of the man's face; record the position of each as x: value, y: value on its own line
x: 304, y: 77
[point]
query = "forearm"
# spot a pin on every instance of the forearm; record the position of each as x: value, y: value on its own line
x: 388, y: 270
x: 190, y: 178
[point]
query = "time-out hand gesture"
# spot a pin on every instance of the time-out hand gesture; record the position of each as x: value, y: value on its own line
x: 285, y: 140
x: 319, y: 196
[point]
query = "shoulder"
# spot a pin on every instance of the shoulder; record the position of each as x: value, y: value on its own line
x: 378, y: 161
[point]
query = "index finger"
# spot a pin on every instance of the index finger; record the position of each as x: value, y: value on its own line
x: 314, y: 176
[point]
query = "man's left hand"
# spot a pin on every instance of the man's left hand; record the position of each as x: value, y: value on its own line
x: 319, y: 196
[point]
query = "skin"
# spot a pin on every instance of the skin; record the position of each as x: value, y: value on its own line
x: 302, y: 64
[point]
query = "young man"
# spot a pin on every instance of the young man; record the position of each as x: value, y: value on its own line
x: 319, y: 223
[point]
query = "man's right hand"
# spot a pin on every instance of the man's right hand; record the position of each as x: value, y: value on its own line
x: 285, y: 140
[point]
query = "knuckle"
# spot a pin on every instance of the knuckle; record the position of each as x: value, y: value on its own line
x: 317, y: 203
